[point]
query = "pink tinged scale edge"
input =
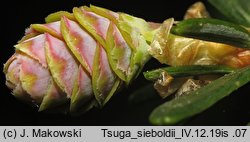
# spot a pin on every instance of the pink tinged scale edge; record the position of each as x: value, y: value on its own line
x: 62, y: 65
x: 12, y: 71
x: 100, y: 23
x: 29, y: 33
x: 93, y: 23
x: 34, y: 78
x: 30, y: 30
x: 82, y: 93
x: 119, y: 52
x: 51, y: 28
x: 104, y: 81
x: 80, y: 43
x: 34, y: 47
x: 54, y: 97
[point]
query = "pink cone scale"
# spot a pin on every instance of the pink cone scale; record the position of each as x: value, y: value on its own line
x: 78, y: 60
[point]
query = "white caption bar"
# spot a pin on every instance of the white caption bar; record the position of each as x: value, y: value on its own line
x: 123, y: 133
